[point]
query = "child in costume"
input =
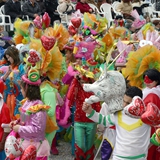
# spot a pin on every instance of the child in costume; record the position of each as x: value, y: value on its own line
x: 33, y: 116
x: 151, y: 93
x: 4, y: 118
x: 132, y: 135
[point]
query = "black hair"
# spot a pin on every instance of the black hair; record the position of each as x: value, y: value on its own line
x: 152, y: 74
x: 133, y: 91
x: 119, y: 17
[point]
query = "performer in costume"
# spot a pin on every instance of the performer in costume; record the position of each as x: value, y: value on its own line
x: 11, y: 75
x: 33, y: 117
x: 84, y: 129
x: 4, y: 118
x: 132, y: 135
x: 151, y: 93
x: 49, y: 64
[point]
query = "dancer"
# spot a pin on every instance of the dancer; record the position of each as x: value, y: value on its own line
x: 33, y: 116
x: 84, y: 129
x: 132, y: 135
x: 151, y: 93
x: 11, y: 74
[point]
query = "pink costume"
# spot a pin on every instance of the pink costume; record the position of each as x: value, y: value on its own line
x: 32, y: 131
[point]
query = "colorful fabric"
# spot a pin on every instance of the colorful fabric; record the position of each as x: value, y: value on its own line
x: 77, y: 95
x: 34, y: 125
x: 126, y: 144
x: 12, y: 90
x: 4, y: 118
x: 48, y: 94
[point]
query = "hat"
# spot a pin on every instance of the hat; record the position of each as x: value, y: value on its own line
x: 32, y: 78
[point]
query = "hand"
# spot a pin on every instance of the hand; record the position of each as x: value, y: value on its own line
x: 16, y: 127
x: 35, y: 15
x: 12, y: 123
x: 90, y: 10
x: 1, y: 146
x: 87, y: 108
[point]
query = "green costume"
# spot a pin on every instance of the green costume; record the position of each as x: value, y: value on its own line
x: 48, y: 94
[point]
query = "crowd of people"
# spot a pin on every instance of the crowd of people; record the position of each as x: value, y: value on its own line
x: 83, y: 79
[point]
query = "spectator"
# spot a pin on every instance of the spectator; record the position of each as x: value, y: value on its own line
x: 83, y: 6
x: 66, y: 7
x: 13, y: 9
x: 125, y: 7
x: 51, y: 9
x: 41, y: 5
x: 32, y: 9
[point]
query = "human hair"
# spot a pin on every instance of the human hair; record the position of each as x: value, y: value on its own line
x: 126, y: 1
x: 134, y: 1
x: 156, y: 22
x: 153, y: 74
x: 133, y: 91
x: 32, y: 91
x: 13, y: 52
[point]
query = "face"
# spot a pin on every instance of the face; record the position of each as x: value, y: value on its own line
x: 68, y: 54
x: 151, y: 85
x: 126, y: 100
x: 10, y: 59
x: 78, y: 61
x: 83, y: 1
x: 23, y: 92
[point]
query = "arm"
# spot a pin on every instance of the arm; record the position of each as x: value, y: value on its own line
x: 36, y: 125
x: 98, y: 117
x: 26, y: 12
x: 5, y: 76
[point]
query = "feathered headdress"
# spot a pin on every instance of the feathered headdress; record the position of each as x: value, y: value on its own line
x: 139, y: 61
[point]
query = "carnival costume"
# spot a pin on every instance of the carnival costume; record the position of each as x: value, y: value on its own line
x: 12, y: 94
x: 32, y: 132
x: 129, y: 127
x: 85, y: 149
x: 4, y: 118
x: 144, y: 58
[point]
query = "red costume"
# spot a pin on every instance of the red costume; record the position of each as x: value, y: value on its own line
x: 85, y: 129
x: 4, y: 118
x: 152, y: 95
